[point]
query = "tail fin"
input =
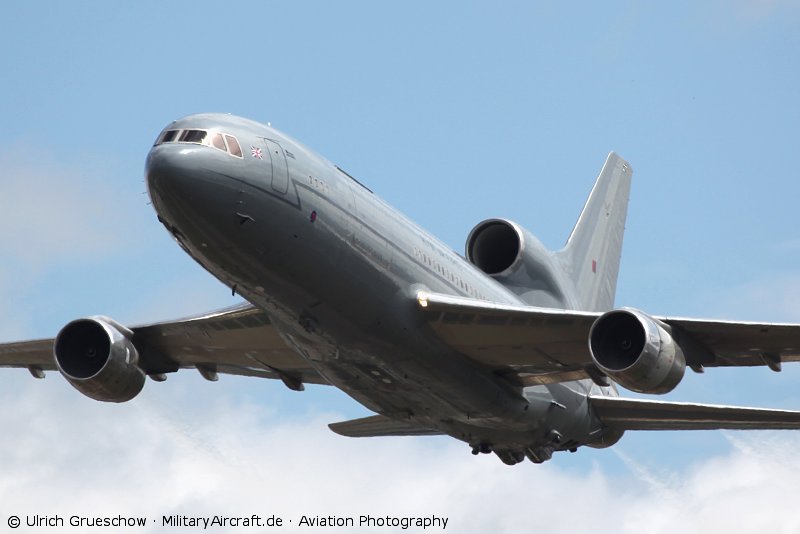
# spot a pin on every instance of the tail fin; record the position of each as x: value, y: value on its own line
x: 592, y: 253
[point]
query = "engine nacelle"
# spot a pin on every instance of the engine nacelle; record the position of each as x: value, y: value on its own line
x: 97, y: 357
x: 637, y: 351
x: 515, y: 258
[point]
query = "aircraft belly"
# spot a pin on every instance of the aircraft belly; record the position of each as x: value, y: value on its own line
x: 294, y: 274
x: 401, y: 380
x: 392, y: 384
x: 341, y: 298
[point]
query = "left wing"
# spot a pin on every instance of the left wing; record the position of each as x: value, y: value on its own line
x: 240, y: 340
x: 541, y: 345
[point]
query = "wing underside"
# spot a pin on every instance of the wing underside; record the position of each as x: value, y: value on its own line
x: 240, y: 340
x: 534, y: 345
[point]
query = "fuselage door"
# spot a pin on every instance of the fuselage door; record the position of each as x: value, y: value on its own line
x: 280, y: 171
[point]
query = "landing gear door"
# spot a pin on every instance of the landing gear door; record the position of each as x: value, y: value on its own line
x: 280, y: 170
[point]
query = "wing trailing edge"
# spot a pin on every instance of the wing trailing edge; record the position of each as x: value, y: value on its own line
x: 640, y: 414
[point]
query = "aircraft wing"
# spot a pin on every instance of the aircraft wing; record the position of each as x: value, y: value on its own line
x: 533, y: 345
x: 240, y: 340
x: 380, y: 425
x: 639, y: 414
x: 741, y: 343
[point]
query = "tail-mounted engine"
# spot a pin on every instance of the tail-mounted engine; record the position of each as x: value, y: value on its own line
x: 515, y: 258
x: 637, y: 351
x: 97, y: 357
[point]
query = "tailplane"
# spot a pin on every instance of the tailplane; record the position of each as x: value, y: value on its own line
x: 642, y: 414
x: 592, y: 253
x: 380, y: 425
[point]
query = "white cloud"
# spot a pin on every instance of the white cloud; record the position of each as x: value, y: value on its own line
x: 173, y: 452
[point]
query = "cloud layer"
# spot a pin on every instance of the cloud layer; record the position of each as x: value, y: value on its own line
x: 174, y: 452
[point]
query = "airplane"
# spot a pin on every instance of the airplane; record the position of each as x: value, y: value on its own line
x: 513, y: 349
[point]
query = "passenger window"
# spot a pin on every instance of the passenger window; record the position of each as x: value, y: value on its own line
x: 218, y: 142
x: 233, y: 146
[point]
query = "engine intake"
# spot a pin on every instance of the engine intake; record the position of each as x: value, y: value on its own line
x: 637, y: 351
x: 494, y: 246
x: 97, y: 357
x: 516, y: 259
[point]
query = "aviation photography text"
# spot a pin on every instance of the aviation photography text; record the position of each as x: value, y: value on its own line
x: 371, y: 522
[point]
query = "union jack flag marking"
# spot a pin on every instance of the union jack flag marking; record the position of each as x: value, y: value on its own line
x: 256, y: 152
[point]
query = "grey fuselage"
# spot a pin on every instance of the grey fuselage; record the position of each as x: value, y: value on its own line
x: 338, y: 270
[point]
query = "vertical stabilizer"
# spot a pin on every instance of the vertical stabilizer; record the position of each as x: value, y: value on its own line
x: 592, y: 253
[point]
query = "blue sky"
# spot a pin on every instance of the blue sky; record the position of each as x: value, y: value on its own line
x: 453, y: 112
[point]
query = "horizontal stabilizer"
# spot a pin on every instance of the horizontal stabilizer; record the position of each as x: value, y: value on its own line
x: 380, y: 425
x: 637, y: 414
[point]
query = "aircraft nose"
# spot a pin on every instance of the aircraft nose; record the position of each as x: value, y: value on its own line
x: 189, y: 194
x: 168, y: 179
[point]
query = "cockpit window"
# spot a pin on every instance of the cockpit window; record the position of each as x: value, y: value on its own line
x: 218, y: 142
x: 168, y: 136
x: 233, y: 146
x: 204, y: 137
x: 193, y: 136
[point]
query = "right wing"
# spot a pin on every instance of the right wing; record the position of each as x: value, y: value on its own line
x: 639, y: 414
x: 240, y: 340
x: 532, y: 345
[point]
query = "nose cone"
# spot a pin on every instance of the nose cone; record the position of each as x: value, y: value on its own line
x: 169, y: 176
x: 161, y: 174
x: 191, y: 196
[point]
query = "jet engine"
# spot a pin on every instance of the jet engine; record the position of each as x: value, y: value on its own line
x: 637, y: 351
x: 97, y: 357
x: 515, y: 258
